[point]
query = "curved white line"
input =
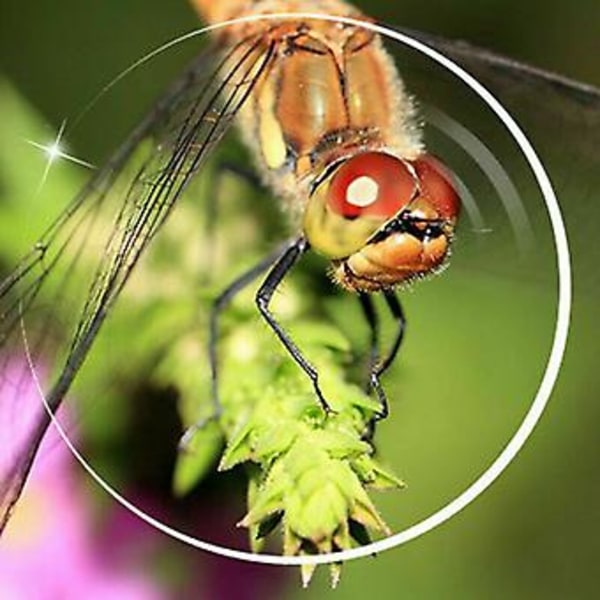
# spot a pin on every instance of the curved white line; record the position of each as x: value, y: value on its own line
x: 548, y: 380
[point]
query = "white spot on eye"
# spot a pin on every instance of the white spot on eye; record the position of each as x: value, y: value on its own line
x: 363, y: 191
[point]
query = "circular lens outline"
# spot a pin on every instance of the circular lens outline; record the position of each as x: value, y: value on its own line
x: 548, y: 381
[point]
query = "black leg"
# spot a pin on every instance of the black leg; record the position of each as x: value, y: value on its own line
x: 370, y: 314
x: 376, y: 367
x: 219, y: 304
x: 265, y: 293
x: 398, y: 314
x: 366, y: 303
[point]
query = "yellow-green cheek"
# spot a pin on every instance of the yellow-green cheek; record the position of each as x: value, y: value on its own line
x: 333, y: 235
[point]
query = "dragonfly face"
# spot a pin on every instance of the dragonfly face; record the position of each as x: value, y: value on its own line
x: 382, y: 220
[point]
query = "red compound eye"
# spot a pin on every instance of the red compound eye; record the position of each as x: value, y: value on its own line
x: 371, y: 184
x: 437, y: 186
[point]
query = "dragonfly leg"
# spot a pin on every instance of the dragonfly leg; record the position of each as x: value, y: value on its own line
x: 398, y: 314
x: 370, y: 315
x: 263, y: 298
x: 219, y: 304
x: 366, y: 303
x: 377, y: 367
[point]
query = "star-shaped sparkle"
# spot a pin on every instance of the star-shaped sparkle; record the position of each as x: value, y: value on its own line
x: 54, y: 152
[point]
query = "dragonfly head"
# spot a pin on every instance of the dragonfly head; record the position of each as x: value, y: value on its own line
x: 382, y: 220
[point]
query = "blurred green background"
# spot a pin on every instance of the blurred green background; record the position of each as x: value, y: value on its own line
x: 535, y: 533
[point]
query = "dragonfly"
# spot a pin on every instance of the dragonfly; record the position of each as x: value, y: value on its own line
x: 336, y: 137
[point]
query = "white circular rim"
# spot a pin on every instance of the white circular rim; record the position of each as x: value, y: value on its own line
x: 548, y: 380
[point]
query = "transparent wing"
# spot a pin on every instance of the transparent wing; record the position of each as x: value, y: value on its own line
x: 519, y: 73
x: 559, y: 111
x: 560, y: 116
x: 85, y: 258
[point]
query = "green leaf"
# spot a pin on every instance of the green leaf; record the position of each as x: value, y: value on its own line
x: 239, y: 449
x: 269, y: 498
x: 198, y: 459
x: 374, y: 475
x: 340, y: 444
x: 275, y: 440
